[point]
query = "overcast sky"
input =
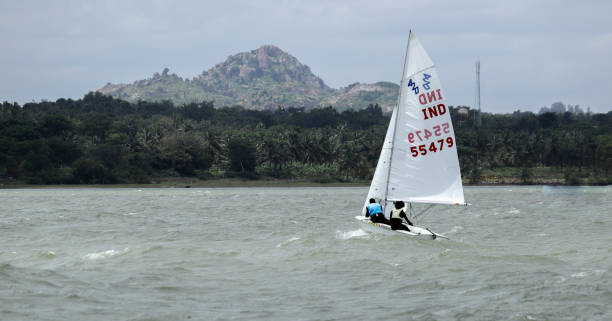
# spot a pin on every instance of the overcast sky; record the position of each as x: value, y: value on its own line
x: 532, y: 53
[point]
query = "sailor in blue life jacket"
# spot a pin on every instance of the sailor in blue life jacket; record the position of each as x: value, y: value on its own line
x: 396, y: 217
x: 375, y: 213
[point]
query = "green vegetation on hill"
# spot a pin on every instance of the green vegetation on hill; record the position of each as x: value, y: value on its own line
x: 261, y: 79
x: 102, y: 140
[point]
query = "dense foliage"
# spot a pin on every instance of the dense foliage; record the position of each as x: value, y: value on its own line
x: 100, y: 140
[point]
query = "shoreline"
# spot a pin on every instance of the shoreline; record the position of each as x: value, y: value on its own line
x: 236, y: 183
x: 195, y: 183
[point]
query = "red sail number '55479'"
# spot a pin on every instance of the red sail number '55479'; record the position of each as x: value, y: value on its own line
x: 433, y: 147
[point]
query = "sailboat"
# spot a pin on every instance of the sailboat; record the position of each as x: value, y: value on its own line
x: 418, y: 163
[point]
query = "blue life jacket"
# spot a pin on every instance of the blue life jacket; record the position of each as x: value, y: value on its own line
x: 374, y: 208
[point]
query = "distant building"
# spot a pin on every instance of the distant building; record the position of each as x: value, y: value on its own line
x: 560, y: 108
x: 462, y: 115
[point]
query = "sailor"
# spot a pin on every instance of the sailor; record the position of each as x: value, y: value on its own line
x: 396, y: 217
x: 375, y: 213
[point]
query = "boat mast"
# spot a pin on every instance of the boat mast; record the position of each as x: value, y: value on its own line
x: 399, y: 99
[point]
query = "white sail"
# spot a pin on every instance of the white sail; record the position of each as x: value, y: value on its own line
x: 381, y: 174
x: 424, y: 163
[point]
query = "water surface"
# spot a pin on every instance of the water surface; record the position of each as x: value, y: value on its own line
x: 519, y: 253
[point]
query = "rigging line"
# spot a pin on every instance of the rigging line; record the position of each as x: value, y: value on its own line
x: 423, y: 211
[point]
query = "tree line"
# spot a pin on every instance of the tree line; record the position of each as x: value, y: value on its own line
x: 102, y: 140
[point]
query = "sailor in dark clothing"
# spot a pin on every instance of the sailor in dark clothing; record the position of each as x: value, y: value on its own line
x: 396, y: 217
x: 375, y: 213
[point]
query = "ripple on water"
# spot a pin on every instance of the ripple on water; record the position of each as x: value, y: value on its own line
x: 212, y: 255
x: 351, y: 234
x: 104, y: 254
x: 288, y: 241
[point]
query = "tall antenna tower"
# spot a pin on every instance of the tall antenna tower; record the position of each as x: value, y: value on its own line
x: 478, y: 119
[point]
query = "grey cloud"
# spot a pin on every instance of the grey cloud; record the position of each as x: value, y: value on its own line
x: 532, y: 53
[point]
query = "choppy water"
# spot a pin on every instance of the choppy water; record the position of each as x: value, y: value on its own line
x: 519, y: 253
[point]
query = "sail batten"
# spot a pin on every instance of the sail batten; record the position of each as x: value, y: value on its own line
x: 421, y: 71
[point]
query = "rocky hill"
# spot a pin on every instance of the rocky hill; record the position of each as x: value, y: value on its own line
x: 264, y: 78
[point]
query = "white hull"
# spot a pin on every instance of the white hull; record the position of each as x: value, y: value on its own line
x: 367, y: 225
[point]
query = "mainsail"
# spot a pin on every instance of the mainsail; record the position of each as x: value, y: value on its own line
x: 418, y: 162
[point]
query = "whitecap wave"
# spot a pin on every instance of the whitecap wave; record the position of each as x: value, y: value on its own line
x: 514, y: 211
x: 48, y: 254
x: 288, y: 241
x: 454, y: 230
x: 350, y: 234
x: 587, y: 273
x: 104, y: 254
